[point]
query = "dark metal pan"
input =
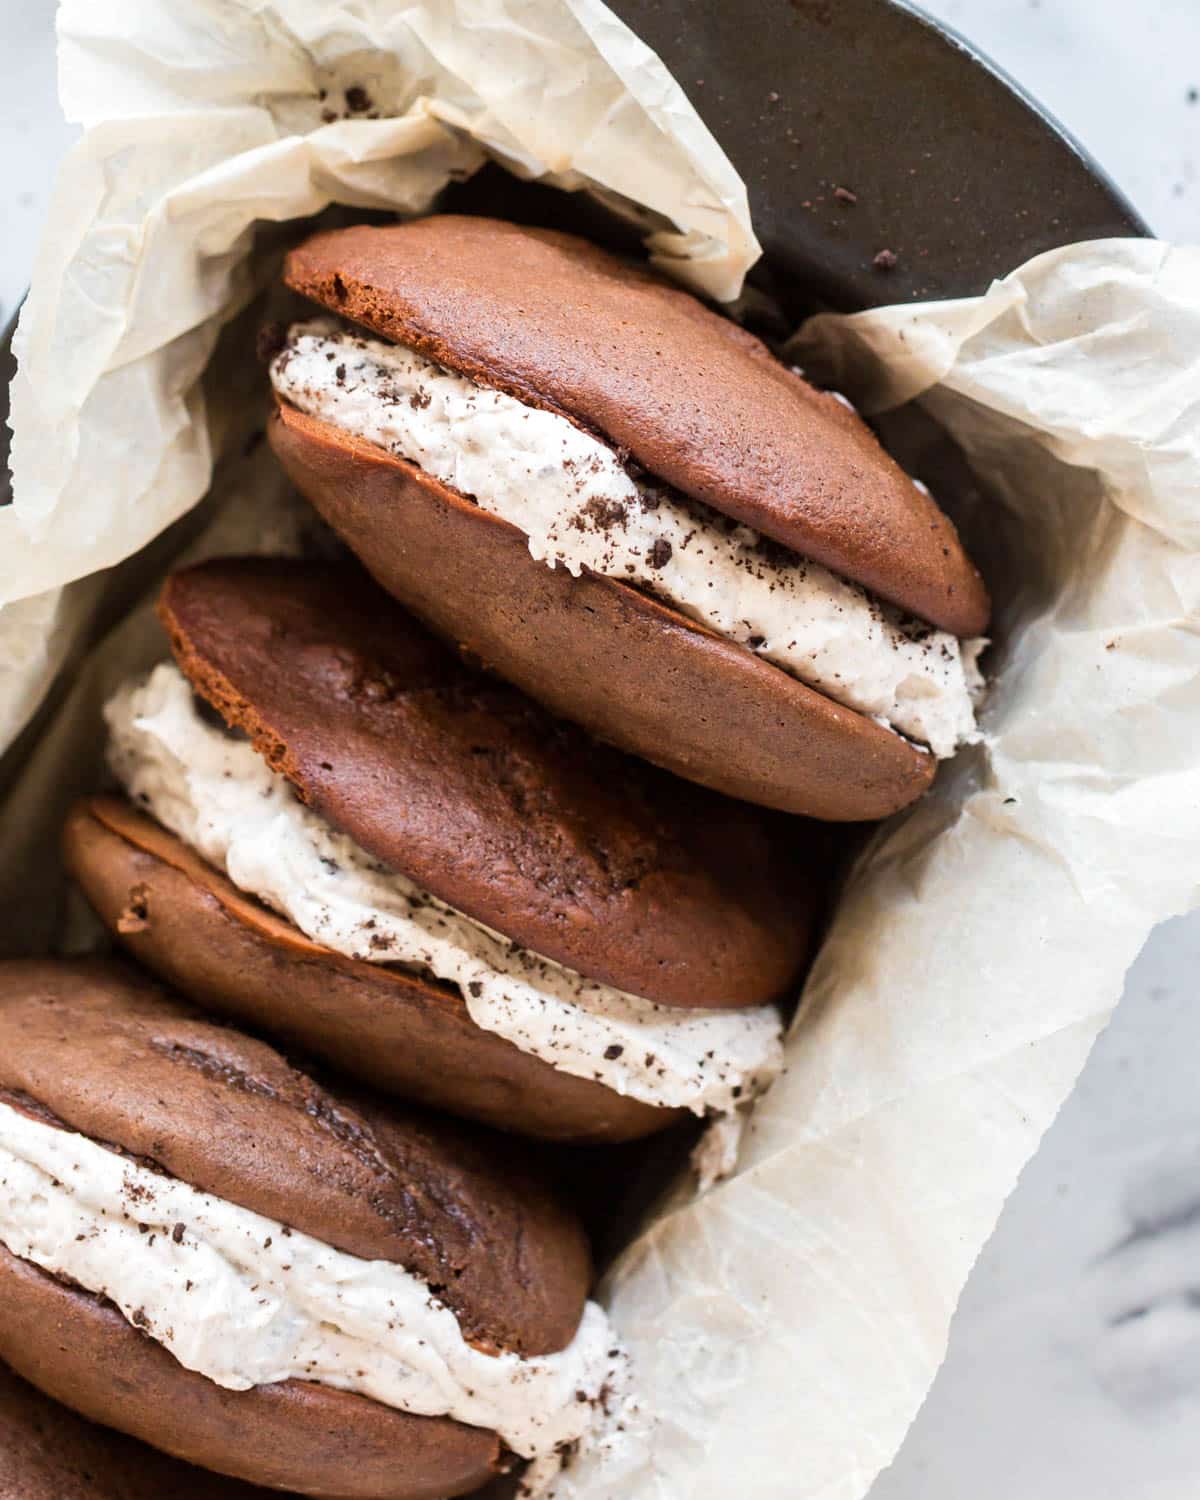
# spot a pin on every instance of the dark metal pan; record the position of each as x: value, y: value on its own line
x: 952, y: 168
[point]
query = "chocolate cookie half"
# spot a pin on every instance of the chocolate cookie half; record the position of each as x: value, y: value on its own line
x: 445, y: 857
x: 205, y: 1249
x: 625, y: 505
x: 49, y: 1453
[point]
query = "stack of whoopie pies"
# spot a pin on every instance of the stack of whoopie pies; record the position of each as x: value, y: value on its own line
x: 537, y: 869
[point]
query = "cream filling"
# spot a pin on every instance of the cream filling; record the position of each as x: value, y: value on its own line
x: 219, y: 796
x: 246, y: 1301
x: 573, y: 498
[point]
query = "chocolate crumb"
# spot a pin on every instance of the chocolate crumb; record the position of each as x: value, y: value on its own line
x: 177, y: 1234
x: 475, y: 988
x: 886, y: 260
x: 604, y: 514
x: 358, y: 101
x: 613, y: 1051
x: 660, y: 554
x: 136, y: 915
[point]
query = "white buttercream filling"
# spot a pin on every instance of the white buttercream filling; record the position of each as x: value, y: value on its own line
x: 219, y: 796
x: 245, y: 1301
x: 574, y: 499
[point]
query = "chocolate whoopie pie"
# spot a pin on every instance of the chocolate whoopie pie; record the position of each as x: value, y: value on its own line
x: 203, y: 1248
x: 624, y: 504
x: 409, y: 868
x: 49, y: 1453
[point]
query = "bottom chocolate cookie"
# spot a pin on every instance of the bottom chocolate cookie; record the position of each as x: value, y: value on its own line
x: 48, y: 1453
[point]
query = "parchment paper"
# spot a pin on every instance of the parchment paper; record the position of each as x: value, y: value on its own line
x: 787, y: 1324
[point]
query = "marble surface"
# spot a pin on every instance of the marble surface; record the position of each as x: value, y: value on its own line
x: 1074, y: 1368
x: 33, y: 136
x: 1074, y: 1363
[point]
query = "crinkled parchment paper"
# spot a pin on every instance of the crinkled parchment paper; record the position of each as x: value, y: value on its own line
x: 787, y: 1324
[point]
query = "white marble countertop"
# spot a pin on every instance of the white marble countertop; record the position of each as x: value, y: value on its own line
x: 1073, y: 1372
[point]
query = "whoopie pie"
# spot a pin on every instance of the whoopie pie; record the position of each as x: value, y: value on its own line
x: 48, y: 1453
x: 204, y: 1248
x: 411, y: 869
x: 623, y: 503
